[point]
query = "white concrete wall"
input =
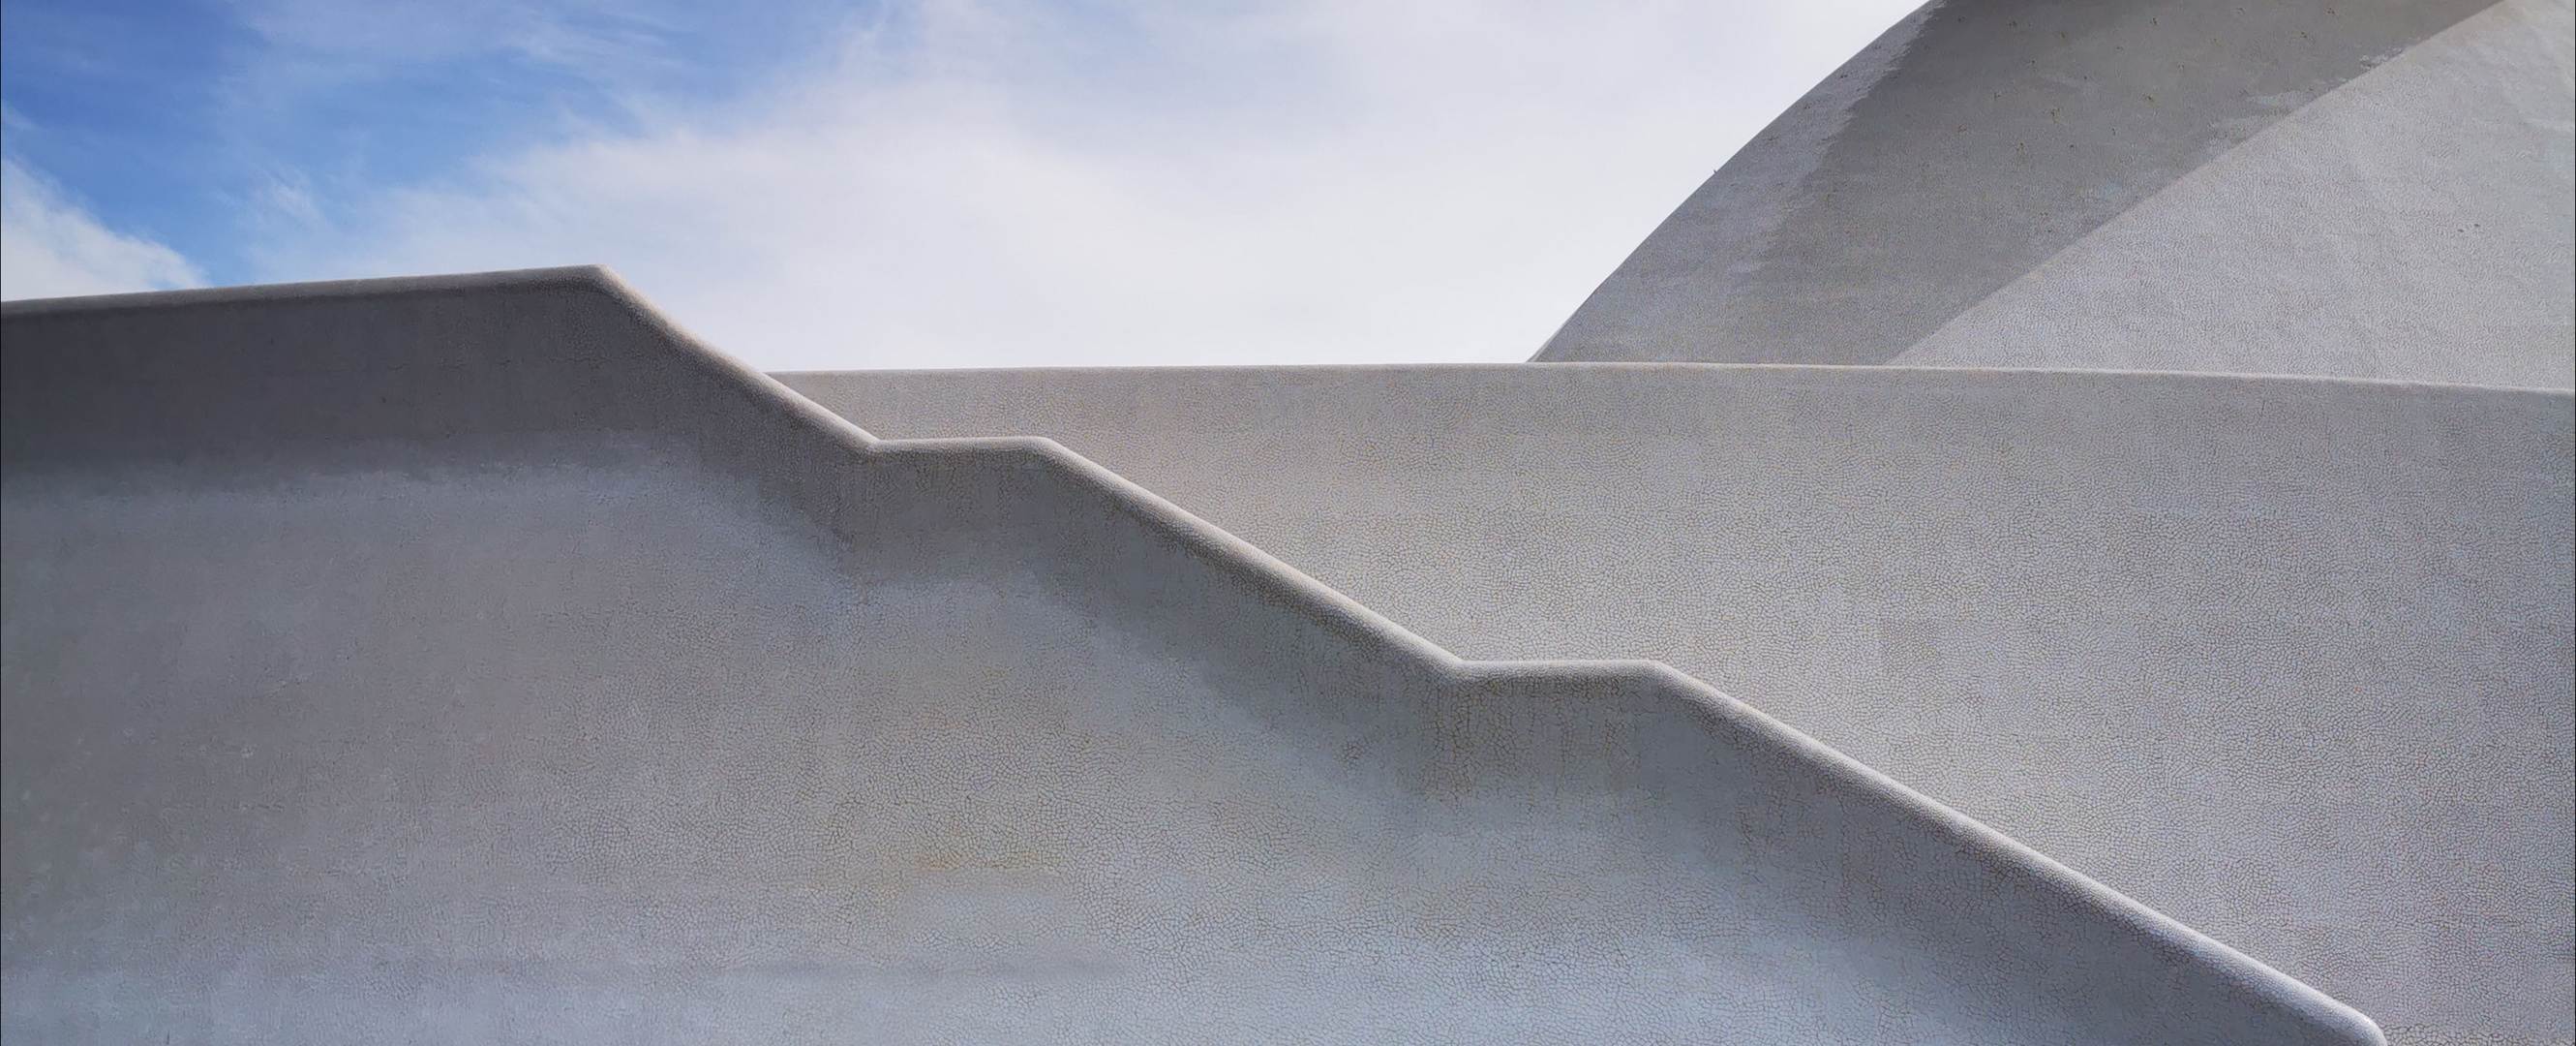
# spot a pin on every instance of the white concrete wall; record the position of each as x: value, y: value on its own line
x: 480, y: 659
x: 2288, y: 659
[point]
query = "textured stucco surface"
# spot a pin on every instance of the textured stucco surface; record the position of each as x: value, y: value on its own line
x: 1972, y: 142
x: 480, y: 659
x: 533, y: 752
x: 2287, y: 659
x: 2418, y: 222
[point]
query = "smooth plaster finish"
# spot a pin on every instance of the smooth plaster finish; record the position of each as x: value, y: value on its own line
x: 482, y: 659
x: 2288, y: 659
x: 2418, y: 222
x: 1970, y: 143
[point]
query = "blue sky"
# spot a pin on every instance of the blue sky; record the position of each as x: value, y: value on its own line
x: 179, y: 120
x: 939, y: 183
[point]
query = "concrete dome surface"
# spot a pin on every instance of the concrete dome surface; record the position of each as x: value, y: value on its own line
x: 2372, y: 190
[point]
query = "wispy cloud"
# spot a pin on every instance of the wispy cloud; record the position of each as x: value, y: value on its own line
x: 52, y: 247
x: 1016, y: 182
x: 997, y: 183
x: 214, y: 126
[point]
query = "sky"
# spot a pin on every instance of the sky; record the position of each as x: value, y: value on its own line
x: 907, y: 183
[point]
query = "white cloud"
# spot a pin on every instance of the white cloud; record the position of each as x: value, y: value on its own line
x: 50, y: 247
x: 1000, y: 183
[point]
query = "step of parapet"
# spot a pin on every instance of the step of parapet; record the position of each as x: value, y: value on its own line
x: 486, y: 651
x: 2285, y: 658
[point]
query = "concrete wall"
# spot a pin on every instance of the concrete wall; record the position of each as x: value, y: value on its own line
x: 2288, y: 659
x: 482, y: 659
x: 2418, y: 223
x: 1972, y: 142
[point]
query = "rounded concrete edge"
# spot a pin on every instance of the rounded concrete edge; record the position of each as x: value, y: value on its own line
x: 1209, y: 541
x: 2229, y: 379
x: 1982, y: 843
x: 593, y: 276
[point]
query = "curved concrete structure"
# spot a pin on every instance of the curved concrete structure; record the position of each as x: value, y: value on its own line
x: 482, y: 659
x: 2418, y: 222
x: 1976, y: 141
x: 2288, y: 659
x: 476, y: 659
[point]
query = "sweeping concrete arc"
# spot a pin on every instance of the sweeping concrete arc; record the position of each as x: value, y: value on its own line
x: 2416, y: 223
x: 1967, y: 145
x: 2287, y: 659
x: 482, y: 658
